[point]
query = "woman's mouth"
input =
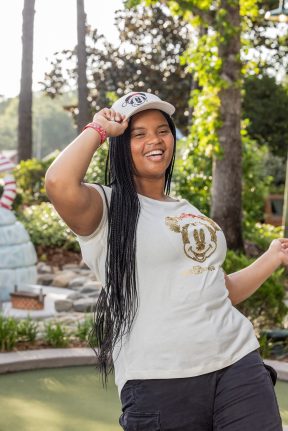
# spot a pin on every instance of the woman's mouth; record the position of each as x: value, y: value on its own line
x: 155, y: 155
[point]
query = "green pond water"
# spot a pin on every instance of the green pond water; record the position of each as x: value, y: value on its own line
x: 70, y: 399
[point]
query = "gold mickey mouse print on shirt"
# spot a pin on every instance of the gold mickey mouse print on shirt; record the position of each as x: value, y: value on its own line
x: 199, y: 236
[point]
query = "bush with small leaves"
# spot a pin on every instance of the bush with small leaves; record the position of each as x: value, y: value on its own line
x: 8, y: 333
x: 266, y: 307
x: 84, y: 328
x: 55, y: 335
x: 27, y: 330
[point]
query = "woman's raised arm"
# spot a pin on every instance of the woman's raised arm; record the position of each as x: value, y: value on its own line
x: 79, y: 204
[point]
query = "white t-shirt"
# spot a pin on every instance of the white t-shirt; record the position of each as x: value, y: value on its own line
x: 185, y: 324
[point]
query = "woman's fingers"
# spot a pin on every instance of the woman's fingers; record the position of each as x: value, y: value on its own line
x: 113, y: 122
x: 111, y: 115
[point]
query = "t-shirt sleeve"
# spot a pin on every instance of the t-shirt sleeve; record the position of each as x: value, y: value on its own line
x: 93, y: 247
x: 104, y: 218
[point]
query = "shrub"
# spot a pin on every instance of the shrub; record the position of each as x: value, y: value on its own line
x: 8, y: 333
x: 84, y: 328
x: 96, y: 170
x: 55, y: 335
x: 256, y: 181
x: 265, y: 308
x: 46, y: 228
x: 29, y: 175
x: 262, y: 234
x: 265, y: 346
x: 27, y: 330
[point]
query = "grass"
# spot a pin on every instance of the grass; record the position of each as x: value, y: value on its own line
x: 70, y: 399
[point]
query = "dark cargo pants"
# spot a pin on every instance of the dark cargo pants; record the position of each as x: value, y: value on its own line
x: 239, y: 397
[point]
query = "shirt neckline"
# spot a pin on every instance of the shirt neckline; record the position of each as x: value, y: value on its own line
x: 160, y: 202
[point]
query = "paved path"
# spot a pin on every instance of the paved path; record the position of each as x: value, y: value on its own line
x: 52, y: 358
x: 45, y: 358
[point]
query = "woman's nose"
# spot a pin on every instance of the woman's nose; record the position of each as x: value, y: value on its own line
x: 153, y: 138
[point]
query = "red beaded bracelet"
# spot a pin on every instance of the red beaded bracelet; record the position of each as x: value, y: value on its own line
x: 102, y: 132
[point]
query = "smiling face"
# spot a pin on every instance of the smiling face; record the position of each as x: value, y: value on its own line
x: 152, y: 144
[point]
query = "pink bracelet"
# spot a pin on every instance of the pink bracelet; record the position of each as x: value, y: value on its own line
x: 102, y: 132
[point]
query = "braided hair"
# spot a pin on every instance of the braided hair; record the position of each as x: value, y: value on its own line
x: 117, y: 304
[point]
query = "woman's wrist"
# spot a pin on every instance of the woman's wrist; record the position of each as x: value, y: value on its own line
x: 99, y: 129
x: 274, y: 258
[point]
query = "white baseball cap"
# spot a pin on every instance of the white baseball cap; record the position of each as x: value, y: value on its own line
x: 134, y: 102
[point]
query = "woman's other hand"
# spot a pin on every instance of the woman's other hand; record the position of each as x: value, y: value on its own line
x: 113, y: 122
x: 279, y: 249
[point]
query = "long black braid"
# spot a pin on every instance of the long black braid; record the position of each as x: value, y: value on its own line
x: 118, y: 302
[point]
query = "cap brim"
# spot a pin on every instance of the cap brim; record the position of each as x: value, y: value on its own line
x: 163, y: 106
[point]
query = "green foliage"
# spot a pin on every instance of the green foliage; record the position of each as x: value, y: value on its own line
x: 8, y: 333
x: 255, y: 181
x: 13, y: 332
x: 27, y: 330
x: 152, y: 41
x: 55, y: 335
x: 265, y: 346
x: 29, y: 175
x: 266, y: 307
x: 262, y: 234
x: 84, y: 328
x: 193, y: 177
x: 266, y: 105
x: 46, y: 228
x: 96, y: 170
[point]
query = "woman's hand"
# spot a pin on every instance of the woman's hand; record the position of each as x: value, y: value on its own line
x: 279, y: 250
x: 113, y: 122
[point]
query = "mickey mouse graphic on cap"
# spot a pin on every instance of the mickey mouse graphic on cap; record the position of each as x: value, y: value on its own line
x: 138, y: 101
x: 135, y: 99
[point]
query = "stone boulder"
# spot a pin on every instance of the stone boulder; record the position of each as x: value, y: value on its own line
x: 84, y: 305
x: 62, y: 279
x: 63, y: 305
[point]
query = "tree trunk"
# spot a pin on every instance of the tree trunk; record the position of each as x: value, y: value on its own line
x: 227, y: 170
x: 25, y: 142
x: 83, y: 115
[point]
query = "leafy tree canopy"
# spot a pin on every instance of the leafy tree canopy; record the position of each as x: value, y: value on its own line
x: 148, y: 59
x: 266, y: 105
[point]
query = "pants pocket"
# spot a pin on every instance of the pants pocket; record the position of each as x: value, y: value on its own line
x: 272, y: 372
x: 140, y: 421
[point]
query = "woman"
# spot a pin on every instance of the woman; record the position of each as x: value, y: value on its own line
x: 184, y: 357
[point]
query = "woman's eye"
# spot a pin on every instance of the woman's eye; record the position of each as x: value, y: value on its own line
x: 139, y: 135
x: 163, y: 131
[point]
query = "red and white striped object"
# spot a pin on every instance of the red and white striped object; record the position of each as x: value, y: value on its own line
x: 5, y: 164
x: 9, y: 191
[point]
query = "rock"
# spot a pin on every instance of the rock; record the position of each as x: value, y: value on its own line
x: 84, y: 272
x: 77, y: 282
x: 92, y: 277
x: 83, y: 305
x: 75, y: 296
x: 63, y: 305
x: 70, y: 267
x: 89, y: 289
x: 43, y: 268
x: 63, y: 279
x: 45, y: 279
x: 93, y: 294
x: 95, y: 284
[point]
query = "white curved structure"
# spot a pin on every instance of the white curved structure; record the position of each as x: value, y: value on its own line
x: 17, y: 253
